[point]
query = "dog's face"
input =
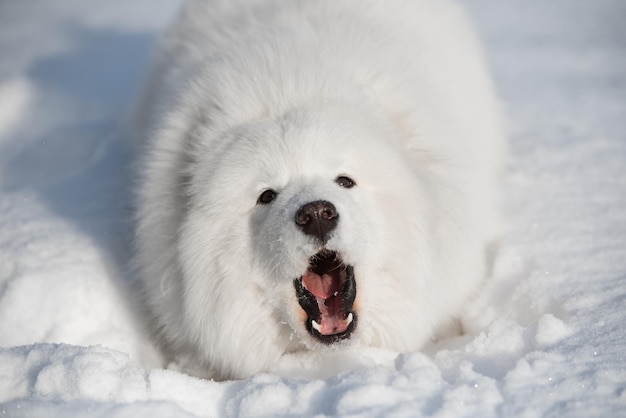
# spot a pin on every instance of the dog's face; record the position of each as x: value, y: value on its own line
x: 314, y: 218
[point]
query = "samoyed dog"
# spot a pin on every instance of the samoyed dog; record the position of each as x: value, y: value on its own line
x: 314, y: 176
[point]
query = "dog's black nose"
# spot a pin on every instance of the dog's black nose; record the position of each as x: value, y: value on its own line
x: 317, y: 218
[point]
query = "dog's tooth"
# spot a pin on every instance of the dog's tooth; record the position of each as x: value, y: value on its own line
x: 317, y: 326
x: 349, y: 319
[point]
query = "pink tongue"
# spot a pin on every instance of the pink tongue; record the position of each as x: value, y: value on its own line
x: 320, y: 286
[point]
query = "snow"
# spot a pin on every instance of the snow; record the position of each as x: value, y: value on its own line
x: 550, y: 339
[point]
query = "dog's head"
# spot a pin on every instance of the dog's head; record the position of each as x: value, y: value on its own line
x: 305, y: 229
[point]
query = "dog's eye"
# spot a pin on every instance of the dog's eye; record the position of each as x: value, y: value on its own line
x: 267, y: 197
x: 344, y: 181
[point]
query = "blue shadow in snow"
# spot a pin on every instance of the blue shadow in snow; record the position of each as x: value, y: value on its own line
x: 104, y: 67
x: 80, y: 167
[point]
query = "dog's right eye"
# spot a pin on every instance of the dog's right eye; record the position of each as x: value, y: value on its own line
x: 267, y: 197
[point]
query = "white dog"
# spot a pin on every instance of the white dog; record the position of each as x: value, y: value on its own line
x: 314, y: 176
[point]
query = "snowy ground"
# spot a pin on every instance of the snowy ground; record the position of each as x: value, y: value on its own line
x: 68, y: 70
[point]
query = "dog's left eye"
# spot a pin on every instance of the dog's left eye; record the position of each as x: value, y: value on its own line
x: 267, y: 197
x: 345, y: 181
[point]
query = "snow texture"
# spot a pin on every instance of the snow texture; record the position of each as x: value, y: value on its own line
x: 549, y: 341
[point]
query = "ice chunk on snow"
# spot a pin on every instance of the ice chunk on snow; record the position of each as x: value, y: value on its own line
x: 550, y: 330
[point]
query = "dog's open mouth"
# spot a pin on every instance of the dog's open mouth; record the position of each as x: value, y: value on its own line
x: 326, y: 292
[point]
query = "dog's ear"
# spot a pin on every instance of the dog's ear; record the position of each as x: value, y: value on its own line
x: 400, y: 120
x: 420, y: 158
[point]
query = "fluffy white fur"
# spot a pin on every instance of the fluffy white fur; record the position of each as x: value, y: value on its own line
x: 250, y: 95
